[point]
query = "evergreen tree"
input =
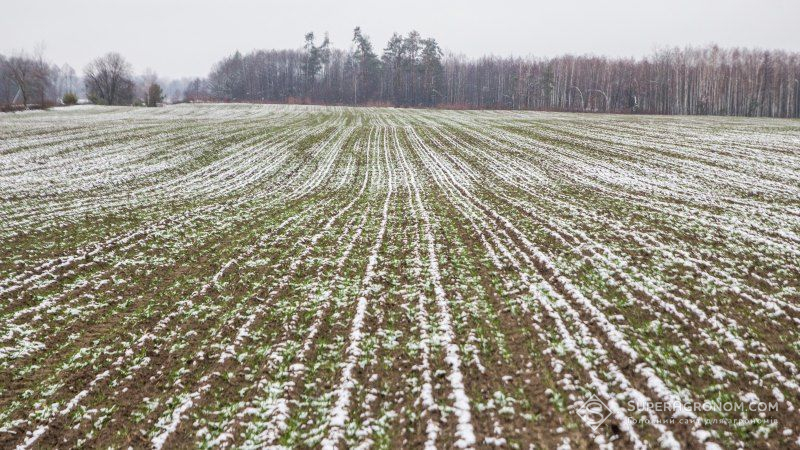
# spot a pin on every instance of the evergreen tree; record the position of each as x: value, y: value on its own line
x: 367, y: 64
x: 432, y: 71
x: 154, y: 95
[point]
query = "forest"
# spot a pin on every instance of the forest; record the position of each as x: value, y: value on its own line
x: 413, y: 71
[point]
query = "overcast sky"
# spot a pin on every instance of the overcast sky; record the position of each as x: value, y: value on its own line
x: 185, y: 37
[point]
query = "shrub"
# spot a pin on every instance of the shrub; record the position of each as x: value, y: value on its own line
x: 70, y: 99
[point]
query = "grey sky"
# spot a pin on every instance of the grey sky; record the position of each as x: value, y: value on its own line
x: 184, y: 37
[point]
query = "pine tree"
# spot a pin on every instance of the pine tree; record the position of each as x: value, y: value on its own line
x: 367, y: 64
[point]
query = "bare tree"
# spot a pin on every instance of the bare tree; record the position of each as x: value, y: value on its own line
x: 27, y: 78
x: 43, y: 76
x: 22, y: 70
x: 108, y: 80
x: 196, y: 91
x: 67, y: 81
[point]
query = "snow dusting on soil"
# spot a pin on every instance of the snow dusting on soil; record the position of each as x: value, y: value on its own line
x: 264, y: 276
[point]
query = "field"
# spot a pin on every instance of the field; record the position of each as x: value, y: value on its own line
x: 254, y: 275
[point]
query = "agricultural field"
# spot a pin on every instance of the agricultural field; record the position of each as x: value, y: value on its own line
x: 250, y: 276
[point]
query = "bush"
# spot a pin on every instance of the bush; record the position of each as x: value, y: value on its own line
x: 70, y: 99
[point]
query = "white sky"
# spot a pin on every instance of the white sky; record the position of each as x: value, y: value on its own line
x: 185, y: 37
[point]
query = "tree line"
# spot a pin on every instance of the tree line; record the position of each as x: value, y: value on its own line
x: 413, y: 71
x: 30, y: 81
